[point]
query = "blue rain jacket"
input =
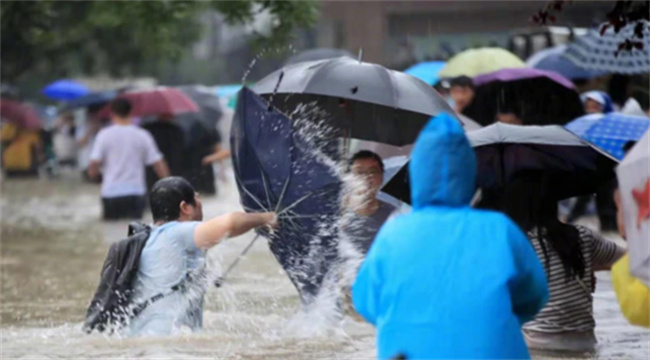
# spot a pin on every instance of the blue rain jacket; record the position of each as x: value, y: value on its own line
x: 447, y: 281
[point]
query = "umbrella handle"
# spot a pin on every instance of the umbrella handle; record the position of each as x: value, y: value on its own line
x: 221, y: 279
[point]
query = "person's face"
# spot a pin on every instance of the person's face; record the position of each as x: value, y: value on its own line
x: 370, y: 172
x: 509, y: 118
x: 592, y: 107
x: 462, y: 96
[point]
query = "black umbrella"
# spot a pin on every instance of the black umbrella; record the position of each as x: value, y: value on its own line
x: 210, y: 110
x: 538, y: 97
x: 573, y: 166
x: 278, y: 169
x: 317, y: 54
x: 363, y: 100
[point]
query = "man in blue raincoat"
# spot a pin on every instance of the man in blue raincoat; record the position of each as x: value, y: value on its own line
x: 447, y: 281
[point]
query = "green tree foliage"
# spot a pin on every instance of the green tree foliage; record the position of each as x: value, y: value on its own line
x: 64, y: 38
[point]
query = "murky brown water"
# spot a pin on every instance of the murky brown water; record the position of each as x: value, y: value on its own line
x: 52, y: 248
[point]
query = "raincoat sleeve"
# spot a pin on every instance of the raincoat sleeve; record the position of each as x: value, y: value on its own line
x: 528, y: 287
x: 366, y: 288
x: 633, y: 296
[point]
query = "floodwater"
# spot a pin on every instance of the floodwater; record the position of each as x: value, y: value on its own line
x: 52, y: 249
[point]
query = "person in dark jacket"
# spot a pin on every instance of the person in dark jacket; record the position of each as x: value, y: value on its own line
x: 170, y: 140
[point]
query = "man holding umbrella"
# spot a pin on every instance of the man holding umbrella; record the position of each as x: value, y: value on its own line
x: 123, y: 150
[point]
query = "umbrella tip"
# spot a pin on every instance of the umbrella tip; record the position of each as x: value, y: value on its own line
x: 360, y: 54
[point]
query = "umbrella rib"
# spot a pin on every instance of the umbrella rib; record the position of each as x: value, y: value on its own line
x: 295, y: 203
x: 266, y: 188
x: 249, y: 193
x: 284, y: 190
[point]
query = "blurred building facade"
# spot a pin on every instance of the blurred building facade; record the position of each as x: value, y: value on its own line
x: 399, y: 33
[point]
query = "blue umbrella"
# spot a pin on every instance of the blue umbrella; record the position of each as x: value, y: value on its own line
x: 551, y: 59
x: 426, y: 71
x: 601, y: 53
x: 65, y: 90
x: 92, y: 99
x: 277, y: 169
x: 611, y: 131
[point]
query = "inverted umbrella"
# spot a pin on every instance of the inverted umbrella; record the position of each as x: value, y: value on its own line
x: 611, y: 131
x: 538, y: 97
x: 19, y: 114
x: 634, y: 186
x: 277, y: 169
x: 603, y: 52
x: 317, y: 54
x: 365, y: 101
x: 474, y: 62
x: 158, y: 101
x: 426, y: 71
x: 574, y: 167
x: 552, y: 59
x: 65, y: 90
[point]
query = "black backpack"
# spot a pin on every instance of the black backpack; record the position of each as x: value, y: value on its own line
x: 111, y: 307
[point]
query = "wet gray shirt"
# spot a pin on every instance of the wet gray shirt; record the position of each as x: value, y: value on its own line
x: 363, y: 229
x: 169, y: 255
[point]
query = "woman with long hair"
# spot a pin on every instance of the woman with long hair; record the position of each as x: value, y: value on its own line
x: 569, y: 254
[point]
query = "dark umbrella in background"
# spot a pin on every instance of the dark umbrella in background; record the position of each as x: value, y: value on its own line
x: 503, y: 151
x: 317, y: 54
x: 538, y: 97
x: 201, y: 136
x: 277, y: 169
x: 19, y: 114
x: 364, y: 101
x: 209, y: 105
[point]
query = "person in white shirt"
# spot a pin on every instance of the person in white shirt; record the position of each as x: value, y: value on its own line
x: 122, y: 151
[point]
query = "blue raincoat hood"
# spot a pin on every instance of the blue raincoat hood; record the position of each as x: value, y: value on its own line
x: 443, y: 165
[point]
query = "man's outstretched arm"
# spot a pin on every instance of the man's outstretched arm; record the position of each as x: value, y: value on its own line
x: 212, y: 232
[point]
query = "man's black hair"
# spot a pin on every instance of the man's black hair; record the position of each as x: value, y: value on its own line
x: 367, y: 154
x: 121, y: 107
x: 462, y: 81
x: 166, y: 196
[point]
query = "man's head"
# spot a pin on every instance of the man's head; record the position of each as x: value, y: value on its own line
x: 461, y: 91
x: 174, y: 199
x: 370, y: 168
x: 121, y: 108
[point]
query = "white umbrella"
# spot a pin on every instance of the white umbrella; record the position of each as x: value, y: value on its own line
x: 634, y: 185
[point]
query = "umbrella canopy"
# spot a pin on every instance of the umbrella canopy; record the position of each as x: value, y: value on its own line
x: 317, y: 54
x: 601, y: 53
x: 158, y: 101
x: 610, y: 131
x: 19, y: 114
x: 277, y: 170
x: 208, y: 102
x: 474, y: 62
x: 551, y: 59
x: 426, y: 71
x: 93, y: 99
x: 634, y: 186
x: 365, y: 101
x: 65, y: 90
x: 538, y: 97
x: 503, y: 151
